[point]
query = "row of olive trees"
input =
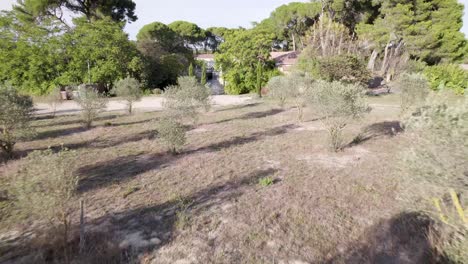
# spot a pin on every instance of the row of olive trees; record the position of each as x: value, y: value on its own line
x: 335, y: 102
x: 16, y: 109
x: 44, y: 187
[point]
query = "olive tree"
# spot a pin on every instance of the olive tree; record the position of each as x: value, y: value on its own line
x: 172, y: 133
x: 15, y: 117
x: 92, y: 104
x: 295, y: 88
x: 337, y: 104
x: 278, y: 90
x: 129, y: 89
x: 182, y: 102
x: 300, y: 88
x: 187, y: 98
x: 54, y: 99
x: 414, y: 91
x: 44, y: 189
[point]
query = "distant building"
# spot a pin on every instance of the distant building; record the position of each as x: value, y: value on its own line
x: 284, y: 61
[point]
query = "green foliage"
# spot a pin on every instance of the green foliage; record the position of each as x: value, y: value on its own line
x: 191, y: 71
x: 429, y: 29
x: 338, y: 104
x: 41, y: 56
x: 344, y: 68
x: 44, y: 189
x: 190, y: 33
x: 259, y: 79
x: 238, y: 57
x: 129, y: 89
x: 278, y: 89
x: 159, y: 33
x: 414, y: 91
x: 92, y: 9
x: 266, y: 181
x: 440, y: 144
x: 203, y: 75
x: 91, y: 103
x: 290, y: 22
x: 104, y: 47
x: 294, y: 87
x: 165, y: 57
x: 447, y: 76
x: 185, y: 99
x: 172, y: 133
x: 54, y: 99
x: 15, y: 116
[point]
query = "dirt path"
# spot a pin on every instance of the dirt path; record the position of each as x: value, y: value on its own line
x: 150, y: 103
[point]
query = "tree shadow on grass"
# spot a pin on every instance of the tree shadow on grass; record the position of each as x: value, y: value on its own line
x: 59, y: 132
x: 381, y: 129
x: 76, y: 120
x: 252, y: 115
x: 237, y: 141
x: 404, y: 238
x: 117, y: 170
x: 118, y: 236
x: 242, y: 106
x: 124, y: 168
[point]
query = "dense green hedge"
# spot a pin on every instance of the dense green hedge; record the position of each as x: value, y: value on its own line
x: 447, y: 76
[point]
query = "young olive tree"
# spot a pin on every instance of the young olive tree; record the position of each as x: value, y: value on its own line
x: 300, y: 89
x: 54, y: 99
x: 92, y: 104
x: 15, y: 117
x: 182, y: 102
x: 172, y: 133
x: 278, y: 89
x: 414, y: 91
x: 187, y: 98
x: 338, y: 103
x: 44, y: 189
x: 129, y: 89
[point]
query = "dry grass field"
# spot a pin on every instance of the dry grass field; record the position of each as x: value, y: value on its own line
x: 251, y: 185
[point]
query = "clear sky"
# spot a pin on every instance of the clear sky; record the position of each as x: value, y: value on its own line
x: 207, y: 13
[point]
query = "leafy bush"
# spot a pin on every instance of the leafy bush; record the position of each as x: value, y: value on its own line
x: 278, y: 89
x: 345, y: 68
x: 294, y: 87
x: 436, y: 163
x: 129, y: 89
x: 172, y: 133
x: 44, y: 189
x: 414, y: 90
x: 338, y: 103
x: 92, y: 104
x: 54, y: 99
x: 447, y: 76
x: 185, y: 99
x: 300, y: 88
x: 15, y: 116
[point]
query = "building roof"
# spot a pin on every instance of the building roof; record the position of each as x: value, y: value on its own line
x: 285, y: 57
x: 205, y: 56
